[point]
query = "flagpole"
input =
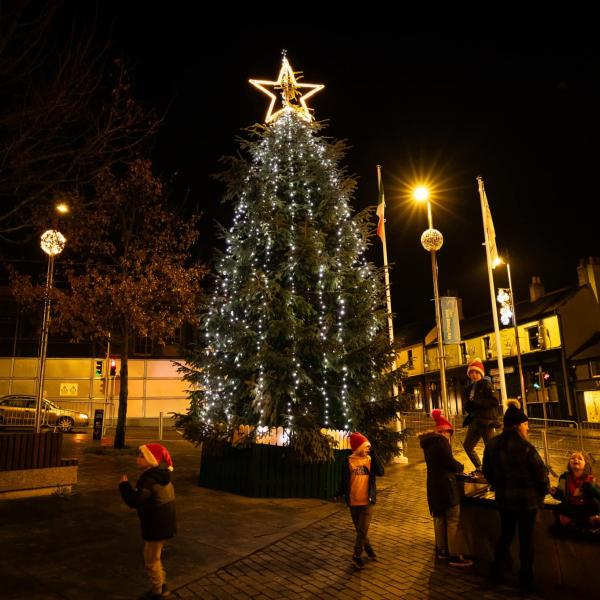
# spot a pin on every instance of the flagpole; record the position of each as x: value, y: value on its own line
x: 388, y: 299
x: 484, y: 215
x: 388, y: 294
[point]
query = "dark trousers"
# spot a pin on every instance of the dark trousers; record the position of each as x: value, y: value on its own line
x: 477, y: 430
x: 361, y: 517
x: 509, y: 520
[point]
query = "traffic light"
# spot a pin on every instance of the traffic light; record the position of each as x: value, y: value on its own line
x: 98, y: 370
x: 542, y: 380
x: 113, y: 367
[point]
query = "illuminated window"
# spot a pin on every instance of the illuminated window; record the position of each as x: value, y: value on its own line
x: 487, y: 346
x: 533, y: 335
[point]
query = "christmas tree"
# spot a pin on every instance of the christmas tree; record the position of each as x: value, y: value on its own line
x: 295, y: 330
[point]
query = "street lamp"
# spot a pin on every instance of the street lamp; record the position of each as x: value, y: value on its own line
x: 432, y: 241
x: 508, y: 302
x: 52, y: 243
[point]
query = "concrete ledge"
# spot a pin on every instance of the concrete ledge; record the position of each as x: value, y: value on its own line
x: 559, y: 563
x: 28, y: 483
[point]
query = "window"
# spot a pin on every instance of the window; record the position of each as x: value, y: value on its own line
x: 533, y: 335
x: 487, y: 346
x: 463, y: 353
x: 143, y: 345
x: 411, y: 364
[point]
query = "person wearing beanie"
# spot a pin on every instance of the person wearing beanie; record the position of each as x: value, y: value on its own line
x: 482, y: 411
x: 519, y: 479
x: 358, y: 488
x: 442, y: 489
x: 154, y: 499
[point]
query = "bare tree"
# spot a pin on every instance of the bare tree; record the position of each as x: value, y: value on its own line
x: 134, y: 274
x: 66, y: 113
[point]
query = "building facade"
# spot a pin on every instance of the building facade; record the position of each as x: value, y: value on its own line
x: 560, y: 351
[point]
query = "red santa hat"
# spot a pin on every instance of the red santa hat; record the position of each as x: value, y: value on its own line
x: 357, y: 441
x: 441, y: 424
x: 476, y: 365
x: 155, y: 454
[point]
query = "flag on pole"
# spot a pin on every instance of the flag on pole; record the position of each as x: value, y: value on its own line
x: 381, y: 208
x: 489, y: 228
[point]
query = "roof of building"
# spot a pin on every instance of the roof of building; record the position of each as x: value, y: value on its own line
x: 589, y: 350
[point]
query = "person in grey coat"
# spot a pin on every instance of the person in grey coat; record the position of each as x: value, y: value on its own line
x: 442, y: 490
x: 519, y: 479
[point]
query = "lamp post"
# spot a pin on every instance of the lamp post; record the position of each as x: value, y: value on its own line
x: 432, y: 240
x: 513, y: 317
x: 52, y: 243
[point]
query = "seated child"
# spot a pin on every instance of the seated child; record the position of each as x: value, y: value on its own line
x: 579, y: 493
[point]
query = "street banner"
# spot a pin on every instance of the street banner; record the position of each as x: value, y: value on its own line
x: 450, y: 320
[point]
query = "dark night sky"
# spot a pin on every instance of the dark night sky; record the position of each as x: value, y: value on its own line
x: 519, y: 109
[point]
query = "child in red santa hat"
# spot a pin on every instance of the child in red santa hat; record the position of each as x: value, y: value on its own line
x: 154, y: 499
x: 358, y: 489
x: 442, y: 490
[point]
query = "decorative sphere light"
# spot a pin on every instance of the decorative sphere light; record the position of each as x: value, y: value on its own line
x: 432, y: 239
x: 52, y: 242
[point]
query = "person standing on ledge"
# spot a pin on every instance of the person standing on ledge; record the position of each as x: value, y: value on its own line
x: 519, y: 479
x: 482, y: 408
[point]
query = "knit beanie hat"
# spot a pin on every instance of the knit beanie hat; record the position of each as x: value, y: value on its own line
x: 155, y: 454
x: 357, y: 441
x: 476, y: 365
x: 441, y: 424
x: 513, y: 414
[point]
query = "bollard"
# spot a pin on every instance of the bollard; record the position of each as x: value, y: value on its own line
x: 160, y: 426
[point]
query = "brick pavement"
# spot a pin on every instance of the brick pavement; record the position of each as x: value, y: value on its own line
x: 314, y: 562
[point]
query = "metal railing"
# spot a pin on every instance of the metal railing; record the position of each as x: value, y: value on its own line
x: 555, y: 439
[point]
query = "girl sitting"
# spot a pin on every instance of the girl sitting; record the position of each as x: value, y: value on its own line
x: 579, y: 493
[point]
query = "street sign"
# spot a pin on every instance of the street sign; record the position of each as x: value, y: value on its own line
x: 69, y: 389
x: 506, y: 370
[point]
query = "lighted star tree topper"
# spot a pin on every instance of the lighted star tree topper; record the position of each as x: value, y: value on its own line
x: 290, y: 91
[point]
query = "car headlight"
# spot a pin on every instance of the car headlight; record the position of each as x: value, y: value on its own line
x: 83, y: 416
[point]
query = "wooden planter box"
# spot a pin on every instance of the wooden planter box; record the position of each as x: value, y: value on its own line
x: 262, y: 471
x: 30, y: 450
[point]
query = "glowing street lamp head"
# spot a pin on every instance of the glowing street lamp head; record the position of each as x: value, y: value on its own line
x: 52, y: 242
x: 421, y: 193
x: 62, y: 208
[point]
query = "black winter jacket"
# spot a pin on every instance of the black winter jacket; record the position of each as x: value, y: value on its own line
x: 154, y: 499
x: 515, y: 471
x: 442, y: 488
x: 484, y: 405
x: 376, y: 470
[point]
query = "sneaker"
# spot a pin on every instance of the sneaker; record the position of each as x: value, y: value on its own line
x: 460, y: 561
x: 370, y: 553
x: 442, y: 554
x: 357, y: 561
x: 165, y: 593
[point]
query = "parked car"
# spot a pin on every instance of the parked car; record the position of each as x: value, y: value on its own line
x: 19, y: 411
